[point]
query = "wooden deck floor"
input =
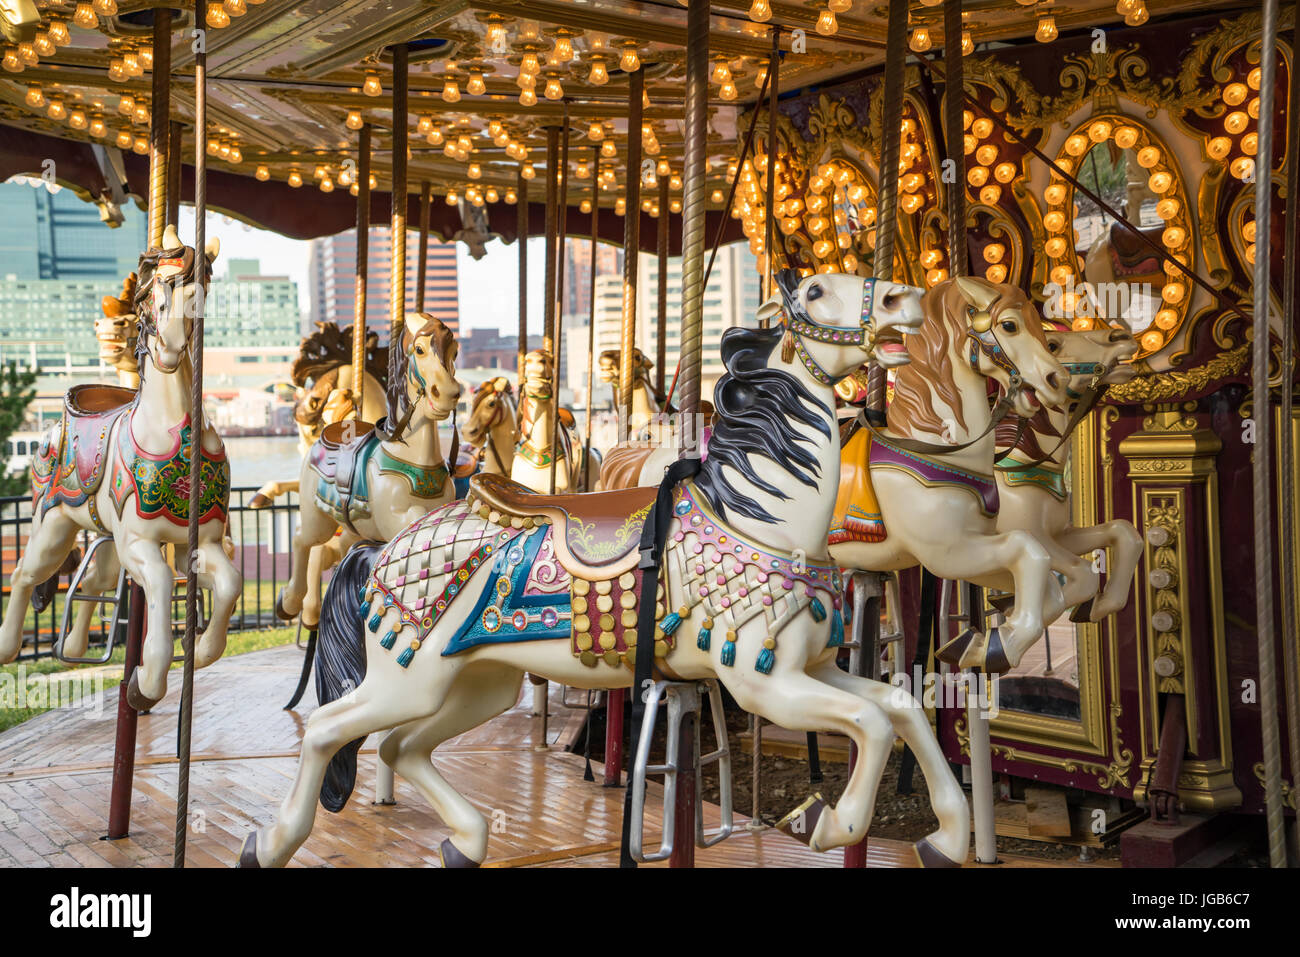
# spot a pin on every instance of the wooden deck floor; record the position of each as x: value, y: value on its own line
x: 55, y: 774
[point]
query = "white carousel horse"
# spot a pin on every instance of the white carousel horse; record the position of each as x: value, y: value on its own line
x: 645, y: 405
x: 119, y: 464
x: 531, y: 467
x: 372, y: 486
x: 1031, y: 479
x: 493, y: 426
x: 480, y: 592
x: 940, y: 510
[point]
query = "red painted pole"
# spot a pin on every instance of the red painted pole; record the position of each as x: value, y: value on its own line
x: 614, y: 737
x: 684, y: 810
x: 119, y: 802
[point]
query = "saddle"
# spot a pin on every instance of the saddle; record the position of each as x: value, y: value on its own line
x: 597, y: 534
x: 1129, y: 254
x: 72, y: 459
x: 857, y: 516
x: 341, y: 463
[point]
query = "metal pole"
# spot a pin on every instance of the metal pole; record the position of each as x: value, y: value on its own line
x: 363, y: 270
x: 397, y: 274
x: 981, y: 756
x: 774, y: 72
x: 422, y: 262
x: 862, y: 662
x: 119, y: 802
x: 887, y: 195
x: 661, y: 337
x: 954, y: 101
x: 591, y: 380
x: 173, y: 170
x: 694, y: 171
x: 683, y: 854
x: 1261, y: 461
x: 1286, y: 445
x: 521, y: 227
x: 200, y: 278
x: 631, y: 246
x: 159, y: 128
x: 552, y: 231
x: 557, y: 346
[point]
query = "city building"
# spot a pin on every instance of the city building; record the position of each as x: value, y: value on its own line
x: 577, y: 267
x: 487, y: 348
x: 246, y: 309
x: 334, y: 271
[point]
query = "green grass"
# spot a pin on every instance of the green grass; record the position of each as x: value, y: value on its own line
x: 239, y: 643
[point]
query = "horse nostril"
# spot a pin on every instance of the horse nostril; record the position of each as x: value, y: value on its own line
x: 1119, y: 335
x: 1052, y: 380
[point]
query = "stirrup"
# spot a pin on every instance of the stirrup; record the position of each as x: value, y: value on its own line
x: 114, y: 618
x: 682, y: 696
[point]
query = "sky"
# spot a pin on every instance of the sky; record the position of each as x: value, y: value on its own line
x: 489, y: 288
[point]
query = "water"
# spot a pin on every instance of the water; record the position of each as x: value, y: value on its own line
x: 255, y: 460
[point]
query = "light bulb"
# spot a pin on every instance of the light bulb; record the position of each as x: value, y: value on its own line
x: 13, y: 62
x: 553, y: 89
x: 98, y: 129
x: 527, y: 98
x: 760, y: 11
x: 354, y: 120
x: 140, y: 114
x: 84, y: 17
x: 1137, y: 15
x: 451, y: 198
x: 451, y: 91
x: 124, y: 141
x: 262, y: 173
x: 29, y: 55
x: 920, y: 40
x: 1046, y: 31
x: 562, y: 52
x: 596, y: 132
x: 372, y: 86
x: 435, y: 137
x: 527, y: 171
x: 141, y: 145
x: 529, y: 64
x: 424, y: 125
x: 475, y: 171
x: 967, y: 43
x: 476, y: 86
x: 77, y: 120
x: 511, y: 197
x: 826, y: 24
x: 236, y: 8
x: 146, y: 58
x: 599, y: 75
x: 608, y: 149
x: 35, y: 98
x: 721, y: 72
x: 327, y: 185
x: 105, y: 8
x: 844, y: 6
x: 116, y: 72
x: 43, y: 44
x: 630, y: 62
x: 583, y: 171
x: 56, y: 110
x: 126, y: 105
x: 295, y: 178
x: 728, y: 91
x: 492, y: 195
x: 217, y: 17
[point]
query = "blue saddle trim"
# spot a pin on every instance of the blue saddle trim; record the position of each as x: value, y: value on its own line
x: 504, y: 613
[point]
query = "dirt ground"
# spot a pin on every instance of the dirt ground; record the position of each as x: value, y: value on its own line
x: 784, y: 784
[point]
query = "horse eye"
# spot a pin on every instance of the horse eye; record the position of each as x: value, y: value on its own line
x: 1008, y: 326
x: 1053, y: 347
x: 814, y: 292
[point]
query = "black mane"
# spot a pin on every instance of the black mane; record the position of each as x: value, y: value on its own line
x: 755, y: 406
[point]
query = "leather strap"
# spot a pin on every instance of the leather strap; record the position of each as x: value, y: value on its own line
x: 1000, y: 412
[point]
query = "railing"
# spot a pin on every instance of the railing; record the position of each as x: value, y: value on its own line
x: 261, y: 537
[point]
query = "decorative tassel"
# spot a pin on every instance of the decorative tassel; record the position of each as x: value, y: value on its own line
x: 405, y: 657
x: 766, y: 659
x: 818, y: 610
x: 729, y: 649
x: 706, y: 632
x: 787, y: 346
x: 365, y: 610
x: 388, y: 641
x: 375, y: 619
x: 837, y: 630
x: 670, y: 623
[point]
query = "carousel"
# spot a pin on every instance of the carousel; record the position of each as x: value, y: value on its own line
x: 999, y: 481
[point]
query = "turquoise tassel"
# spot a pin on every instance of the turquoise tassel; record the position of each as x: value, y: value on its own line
x: 388, y: 641
x: 361, y: 594
x: 670, y: 623
x: 702, y: 640
x: 405, y: 657
x: 728, y: 652
x: 375, y: 619
x: 766, y: 659
x: 837, y: 630
x: 365, y: 610
x: 818, y: 611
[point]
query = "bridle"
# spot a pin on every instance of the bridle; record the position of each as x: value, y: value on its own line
x: 799, y: 325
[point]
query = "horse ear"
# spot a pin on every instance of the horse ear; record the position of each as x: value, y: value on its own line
x: 979, y: 294
x: 212, y: 248
x: 770, y: 309
x: 111, y: 306
x: 171, y: 239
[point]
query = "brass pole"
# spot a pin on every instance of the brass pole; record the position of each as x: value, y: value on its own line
x: 1262, y: 459
x: 631, y: 243
x: 661, y: 338
x: 557, y: 345
x: 173, y: 170
x: 521, y: 227
x: 954, y: 101
x: 200, y: 277
x: 693, y: 207
x: 552, y: 230
x: 397, y: 276
x: 422, y: 261
x: 363, y: 271
x: 591, y: 313
x: 159, y: 128
x: 769, y: 235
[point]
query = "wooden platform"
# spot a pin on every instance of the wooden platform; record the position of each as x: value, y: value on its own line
x: 55, y: 773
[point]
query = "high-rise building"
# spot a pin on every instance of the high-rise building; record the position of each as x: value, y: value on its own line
x: 245, y: 309
x: 577, y: 262
x: 48, y: 234
x: 334, y: 278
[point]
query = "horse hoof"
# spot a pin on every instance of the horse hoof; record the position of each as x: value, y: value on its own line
x: 995, y: 657
x: 259, y: 501
x: 279, y: 609
x: 248, y: 853
x: 953, y: 651
x: 136, y: 698
x: 1002, y: 603
x: 451, y: 857
x: 802, y: 821
x: 931, y: 856
x: 1082, y: 613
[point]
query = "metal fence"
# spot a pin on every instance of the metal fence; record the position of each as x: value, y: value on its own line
x: 261, y: 537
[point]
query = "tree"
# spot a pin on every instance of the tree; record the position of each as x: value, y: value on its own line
x: 17, y: 389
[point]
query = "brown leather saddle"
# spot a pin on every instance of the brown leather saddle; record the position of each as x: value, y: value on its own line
x: 90, y: 411
x: 1129, y: 254
x: 597, y: 534
x: 340, y: 457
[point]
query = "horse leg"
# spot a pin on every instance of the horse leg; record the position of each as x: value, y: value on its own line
x: 1081, y: 581
x: 314, y: 528
x: 1125, y: 550
x: 371, y: 707
x: 478, y: 695
x: 100, y: 578
x: 51, y: 540
x: 311, y: 603
x: 908, y: 718
x: 144, y: 562
x: 217, y: 573
x: 801, y: 702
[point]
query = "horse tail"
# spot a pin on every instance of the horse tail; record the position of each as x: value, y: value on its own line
x: 341, y: 661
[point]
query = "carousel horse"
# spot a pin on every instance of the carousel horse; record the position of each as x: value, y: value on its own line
x: 440, y: 625
x: 371, y: 484
x: 118, y: 464
x: 493, y: 427
x: 1031, y: 479
x: 922, y: 492
x: 118, y: 331
x: 531, y: 467
x: 645, y: 404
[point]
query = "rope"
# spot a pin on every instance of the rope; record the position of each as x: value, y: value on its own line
x: 954, y: 100
x: 521, y: 238
x: 591, y: 314
x: 196, y: 427
x: 769, y: 240
x: 631, y: 243
x: 363, y: 272
x: 426, y: 189
x: 693, y: 199
x: 1261, y: 461
x: 661, y: 339
x: 397, y: 275
x: 557, y: 345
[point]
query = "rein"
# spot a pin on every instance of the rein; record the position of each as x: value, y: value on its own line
x: 1088, y: 401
